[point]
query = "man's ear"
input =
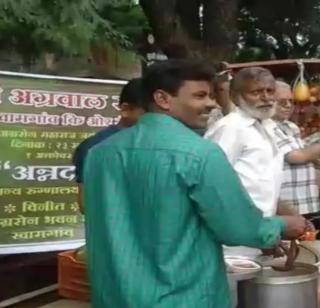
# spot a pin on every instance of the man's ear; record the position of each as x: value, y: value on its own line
x: 162, y: 99
x: 124, y: 108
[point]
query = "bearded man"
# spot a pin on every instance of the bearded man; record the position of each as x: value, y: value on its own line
x: 246, y: 135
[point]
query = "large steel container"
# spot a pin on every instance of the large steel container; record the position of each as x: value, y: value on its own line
x: 297, y: 288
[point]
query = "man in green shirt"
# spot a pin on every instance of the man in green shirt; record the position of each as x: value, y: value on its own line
x: 162, y: 201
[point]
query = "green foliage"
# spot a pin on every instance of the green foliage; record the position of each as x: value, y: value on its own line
x: 267, y: 29
x: 283, y: 29
x: 127, y: 17
x: 32, y: 27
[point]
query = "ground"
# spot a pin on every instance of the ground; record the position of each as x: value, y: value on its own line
x: 64, y: 303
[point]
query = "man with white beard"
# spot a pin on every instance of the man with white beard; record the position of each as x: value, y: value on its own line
x: 247, y: 137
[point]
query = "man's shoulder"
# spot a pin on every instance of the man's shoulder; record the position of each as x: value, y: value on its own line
x: 182, y: 140
x: 232, y: 122
x: 99, y: 136
x: 196, y: 146
x: 290, y: 128
x: 111, y: 137
x: 294, y: 127
x: 233, y: 119
x: 105, y: 133
x: 85, y: 146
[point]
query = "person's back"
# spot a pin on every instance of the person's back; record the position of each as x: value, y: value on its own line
x: 154, y: 219
x: 130, y: 110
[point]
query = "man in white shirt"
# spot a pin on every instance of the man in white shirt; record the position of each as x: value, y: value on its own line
x: 247, y: 137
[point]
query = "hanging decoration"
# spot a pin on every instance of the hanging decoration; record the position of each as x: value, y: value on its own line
x: 301, y: 90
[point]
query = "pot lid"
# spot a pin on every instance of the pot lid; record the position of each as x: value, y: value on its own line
x: 301, y: 272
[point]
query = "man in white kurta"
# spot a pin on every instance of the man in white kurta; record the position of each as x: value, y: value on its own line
x: 247, y: 137
x: 253, y: 155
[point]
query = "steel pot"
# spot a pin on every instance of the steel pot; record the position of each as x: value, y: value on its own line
x: 297, y: 288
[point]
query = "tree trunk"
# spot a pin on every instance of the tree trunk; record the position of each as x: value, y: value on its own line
x: 171, y: 29
x: 181, y: 32
x: 220, y: 32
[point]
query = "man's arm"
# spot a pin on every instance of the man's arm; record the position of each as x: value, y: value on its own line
x: 318, y: 177
x: 291, y: 147
x: 228, y: 211
x: 302, y: 156
x: 285, y: 209
x: 222, y: 91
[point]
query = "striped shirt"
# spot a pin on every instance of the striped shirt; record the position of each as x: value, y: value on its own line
x: 299, y: 187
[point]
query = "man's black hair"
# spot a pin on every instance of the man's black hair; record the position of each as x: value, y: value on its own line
x: 170, y: 75
x: 131, y: 93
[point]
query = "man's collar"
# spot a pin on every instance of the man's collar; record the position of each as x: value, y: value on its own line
x: 246, y: 119
x: 157, y: 118
x: 284, y: 122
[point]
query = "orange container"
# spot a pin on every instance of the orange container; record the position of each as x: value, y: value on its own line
x: 72, y: 277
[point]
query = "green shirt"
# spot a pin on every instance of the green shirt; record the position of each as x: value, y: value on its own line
x: 160, y: 202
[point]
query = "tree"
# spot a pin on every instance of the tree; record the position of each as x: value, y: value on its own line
x: 127, y: 18
x: 199, y: 28
x: 283, y: 29
x: 33, y: 27
x: 229, y: 30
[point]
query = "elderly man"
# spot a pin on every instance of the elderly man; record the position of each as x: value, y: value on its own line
x: 299, y: 190
x: 246, y: 135
x: 161, y: 201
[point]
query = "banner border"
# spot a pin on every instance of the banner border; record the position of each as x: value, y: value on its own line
x: 41, y: 247
x: 63, y: 78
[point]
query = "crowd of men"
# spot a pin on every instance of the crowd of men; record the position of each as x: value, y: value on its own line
x: 161, y: 200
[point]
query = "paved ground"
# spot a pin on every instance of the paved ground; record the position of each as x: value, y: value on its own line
x: 50, y: 300
x: 64, y: 303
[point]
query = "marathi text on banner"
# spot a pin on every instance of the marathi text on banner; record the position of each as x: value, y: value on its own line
x: 41, y: 124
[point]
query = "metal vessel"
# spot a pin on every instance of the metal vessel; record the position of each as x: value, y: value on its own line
x: 296, y: 288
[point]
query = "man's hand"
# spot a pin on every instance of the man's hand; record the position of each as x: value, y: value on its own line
x: 310, y: 226
x: 275, y: 252
x: 295, y: 226
x: 285, y: 209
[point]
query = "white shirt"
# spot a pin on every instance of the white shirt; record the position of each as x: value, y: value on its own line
x: 250, y: 146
